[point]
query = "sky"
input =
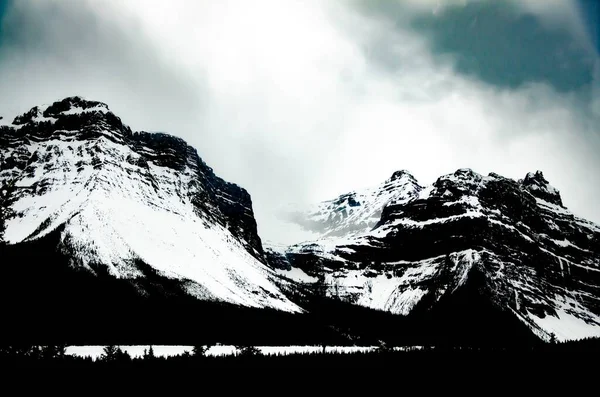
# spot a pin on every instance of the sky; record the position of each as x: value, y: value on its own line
x: 299, y: 101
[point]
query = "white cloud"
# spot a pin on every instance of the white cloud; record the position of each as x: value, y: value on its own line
x: 288, y: 98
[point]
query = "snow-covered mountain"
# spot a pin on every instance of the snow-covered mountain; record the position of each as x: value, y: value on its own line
x: 122, y: 201
x: 356, y: 211
x: 96, y: 218
x: 512, y: 242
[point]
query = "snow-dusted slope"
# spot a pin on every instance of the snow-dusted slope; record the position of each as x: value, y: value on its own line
x: 357, y: 211
x: 531, y: 257
x: 120, y: 197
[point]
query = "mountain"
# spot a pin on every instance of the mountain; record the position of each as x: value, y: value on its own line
x: 106, y: 201
x: 113, y: 236
x: 357, y: 211
x: 467, y: 247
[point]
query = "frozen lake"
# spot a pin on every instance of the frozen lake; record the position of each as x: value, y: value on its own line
x: 217, y: 350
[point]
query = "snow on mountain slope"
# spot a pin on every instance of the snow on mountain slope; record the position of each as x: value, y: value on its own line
x: 123, y: 197
x: 537, y: 260
x: 357, y: 211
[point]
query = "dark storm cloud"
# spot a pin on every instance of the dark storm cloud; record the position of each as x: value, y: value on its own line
x: 496, y: 42
x: 590, y: 12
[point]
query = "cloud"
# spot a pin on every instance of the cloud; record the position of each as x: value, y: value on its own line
x: 301, y: 100
x: 501, y: 42
x: 53, y: 49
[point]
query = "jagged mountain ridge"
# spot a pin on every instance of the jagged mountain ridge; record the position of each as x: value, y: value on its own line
x: 537, y: 261
x: 356, y: 211
x: 121, y: 198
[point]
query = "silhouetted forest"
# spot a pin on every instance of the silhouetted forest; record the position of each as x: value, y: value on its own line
x: 542, y: 356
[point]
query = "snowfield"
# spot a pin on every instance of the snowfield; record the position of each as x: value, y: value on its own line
x: 95, y: 352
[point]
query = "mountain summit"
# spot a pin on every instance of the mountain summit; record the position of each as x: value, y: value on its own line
x: 541, y: 188
x: 356, y: 211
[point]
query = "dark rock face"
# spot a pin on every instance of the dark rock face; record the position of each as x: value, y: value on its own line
x: 217, y: 199
x: 534, y: 259
x: 539, y: 187
x: 277, y: 260
x: 67, y: 104
x: 402, y: 174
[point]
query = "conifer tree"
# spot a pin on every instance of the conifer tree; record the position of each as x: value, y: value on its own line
x: 149, y: 354
x: 53, y: 351
x: 199, y: 351
x: 247, y: 351
x: 110, y: 354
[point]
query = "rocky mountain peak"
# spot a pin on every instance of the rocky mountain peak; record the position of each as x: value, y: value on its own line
x: 462, y: 181
x: 66, y: 107
x: 461, y: 176
x: 73, y: 116
x: 401, y: 174
x: 538, y: 175
x: 466, y: 173
x: 539, y: 187
x: 28, y: 116
x: 356, y: 211
x: 74, y: 104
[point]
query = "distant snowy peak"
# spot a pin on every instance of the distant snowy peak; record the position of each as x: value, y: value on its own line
x: 356, y: 211
x: 121, y: 198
